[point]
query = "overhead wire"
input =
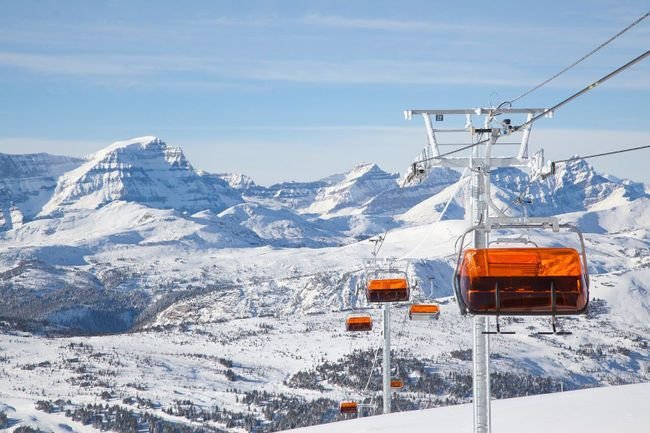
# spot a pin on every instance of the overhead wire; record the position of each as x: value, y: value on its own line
x: 399, y: 201
x: 372, y: 369
x: 580, y: 60
x: 596, y: 155
x: 547, y: 111
x: 584, y: 90
x: 442, y: 214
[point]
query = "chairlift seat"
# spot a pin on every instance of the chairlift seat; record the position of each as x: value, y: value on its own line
x: 358, y: 323
x: 388, y: 290
x: 523, y: 281
x: 348, y: 407
x: 424, y: 312
x: 396, y: 384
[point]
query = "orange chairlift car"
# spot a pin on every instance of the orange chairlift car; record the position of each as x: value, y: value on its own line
x: 358, y: 322
x: 388, y: 286
x: 523, y: 281
x: 348, y: 407
x: 396, y: 383
x: 424, y: 312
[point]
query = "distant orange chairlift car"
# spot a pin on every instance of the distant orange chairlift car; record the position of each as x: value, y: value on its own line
x: 424, y: 312
x: 396, y: 384
x: 348, y: 407
x: 394, y: 289
x: 358, y: 323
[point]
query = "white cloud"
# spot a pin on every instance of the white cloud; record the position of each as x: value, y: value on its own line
x: 207, y: 73
x: 377, y: 24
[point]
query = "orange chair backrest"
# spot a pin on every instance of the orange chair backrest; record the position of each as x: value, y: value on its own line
x: 388, y: 284
x: 359, y: 320
x: 521, y: 262
x: 348, y: 407
x: 424, y: 309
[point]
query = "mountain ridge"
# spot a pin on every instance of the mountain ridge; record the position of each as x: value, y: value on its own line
x: 100, y: 219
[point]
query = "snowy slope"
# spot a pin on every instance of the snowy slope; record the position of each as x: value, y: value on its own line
x: 358, y: 186
x: 400, y: 199
x: 574, y: 187
x: 603, y: 410
x: 294, y: 195
x: 27, y: 183
x: 280, y: 227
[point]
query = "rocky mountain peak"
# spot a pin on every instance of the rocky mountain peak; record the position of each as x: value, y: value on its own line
x: 144, y: 170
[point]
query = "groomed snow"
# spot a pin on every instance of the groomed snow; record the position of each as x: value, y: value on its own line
x: 619, y: 409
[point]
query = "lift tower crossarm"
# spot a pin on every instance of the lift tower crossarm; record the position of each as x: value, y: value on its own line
x: 408, y: 114
x: 431, y: 156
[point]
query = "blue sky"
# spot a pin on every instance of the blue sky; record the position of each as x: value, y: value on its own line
x: 296, y: 90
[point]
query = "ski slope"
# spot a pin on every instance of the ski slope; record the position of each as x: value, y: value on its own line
x: 624, y: 409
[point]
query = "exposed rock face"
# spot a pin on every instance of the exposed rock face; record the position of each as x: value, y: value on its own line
x: 294, y: 195
x: 357, y: 187
x: 143, y: 170
x: 136, y: 224
x: 401, y: 199
x: 27, y: 183
x: 574, y: 187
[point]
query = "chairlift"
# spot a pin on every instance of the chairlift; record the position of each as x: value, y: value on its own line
x: 358, y: 322
x: 396, y: 384
x: 348, y: 407
x: 523, y: 281
x: 388, y: 288
x: 424, y: 312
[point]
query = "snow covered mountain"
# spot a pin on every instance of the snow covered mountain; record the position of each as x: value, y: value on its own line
x: 233, y: 289
x: 142, y: 198
x: 143, y: 170
x: 280, y: 226
x: 574, y: 187
x: 358, y: 186
x: 294, y: 195
x: 27, y: 183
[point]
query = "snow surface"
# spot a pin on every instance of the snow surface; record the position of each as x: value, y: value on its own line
x: 604, y: 410
x: 265, y: 277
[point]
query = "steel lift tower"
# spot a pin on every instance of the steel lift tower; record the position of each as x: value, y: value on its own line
x: 480, y: 161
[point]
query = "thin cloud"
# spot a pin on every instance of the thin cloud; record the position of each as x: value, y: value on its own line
x: 201, y: 72
x: 78, y: 64
x: 374, y: 24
